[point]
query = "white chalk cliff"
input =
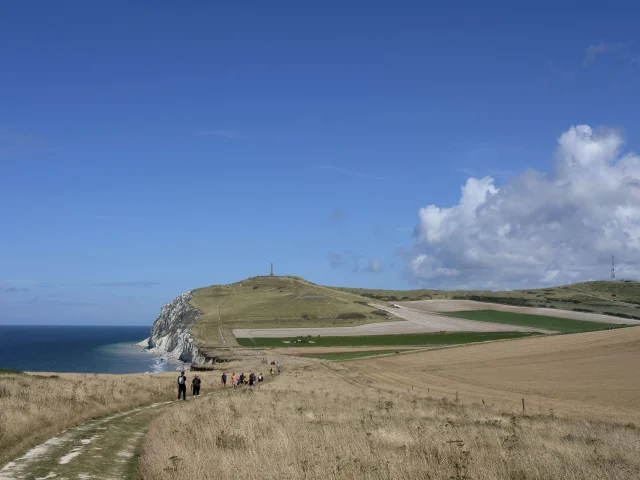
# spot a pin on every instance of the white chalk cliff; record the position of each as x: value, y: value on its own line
x: 171, y: 332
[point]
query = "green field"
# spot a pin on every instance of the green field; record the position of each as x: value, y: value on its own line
x: 351, y: 355
x: 454, y: 338
x: 563, y: 325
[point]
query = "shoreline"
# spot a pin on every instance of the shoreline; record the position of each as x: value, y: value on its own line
x: 164, y: 356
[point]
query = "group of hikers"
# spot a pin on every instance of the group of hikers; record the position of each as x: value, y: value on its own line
x: 182, y: 386
x: 236, y: 381
x: 242, y: 379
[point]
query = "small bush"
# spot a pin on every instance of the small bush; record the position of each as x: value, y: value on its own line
x: 351, y: 316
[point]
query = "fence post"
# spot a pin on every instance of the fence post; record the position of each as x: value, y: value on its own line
x: 523, y: 404
x: 456, y: 395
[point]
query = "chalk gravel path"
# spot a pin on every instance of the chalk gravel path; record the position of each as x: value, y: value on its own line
x: 102, y: 449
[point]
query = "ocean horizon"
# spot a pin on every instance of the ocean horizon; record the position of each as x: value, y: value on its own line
x: 78, y: 349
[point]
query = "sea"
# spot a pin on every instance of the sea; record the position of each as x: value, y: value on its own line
x: 78, y: 349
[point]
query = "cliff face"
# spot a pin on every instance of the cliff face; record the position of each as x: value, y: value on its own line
x: 171, y: 332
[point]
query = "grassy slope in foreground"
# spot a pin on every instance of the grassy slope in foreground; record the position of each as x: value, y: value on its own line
x: 557, y: 324
x: 454, y: 338
x: 272, y: 302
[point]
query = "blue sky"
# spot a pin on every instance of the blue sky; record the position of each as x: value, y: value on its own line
x: 147, y: 148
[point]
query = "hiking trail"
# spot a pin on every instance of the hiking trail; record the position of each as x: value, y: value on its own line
x: 102, y: 449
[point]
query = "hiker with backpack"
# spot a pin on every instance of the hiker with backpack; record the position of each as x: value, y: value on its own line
x: 195, y: 386
x: 182, y: 386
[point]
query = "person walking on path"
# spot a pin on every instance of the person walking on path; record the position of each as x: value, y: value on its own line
x: 182, y: 386
x: 195, y: 386
x: 234, y: 380
x: 224, y: 379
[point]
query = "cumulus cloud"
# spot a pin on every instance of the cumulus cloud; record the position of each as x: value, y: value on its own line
x: 539, y: 228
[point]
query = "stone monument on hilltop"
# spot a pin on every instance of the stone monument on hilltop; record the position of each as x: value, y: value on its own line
x: 271, y: 274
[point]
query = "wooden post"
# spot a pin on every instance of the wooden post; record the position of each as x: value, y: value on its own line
x: 523, y: 404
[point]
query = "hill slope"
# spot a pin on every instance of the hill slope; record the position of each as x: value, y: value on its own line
x: 196, y: 325
x: 272, y: 302
x: 616, y: 298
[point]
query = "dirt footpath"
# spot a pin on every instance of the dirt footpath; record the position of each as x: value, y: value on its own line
x: 101, y: 449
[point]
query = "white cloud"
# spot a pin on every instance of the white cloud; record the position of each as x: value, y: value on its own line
x: 539, y: 228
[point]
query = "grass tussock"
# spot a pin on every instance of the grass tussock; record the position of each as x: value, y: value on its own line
x: 35, y: 407
x: 314, y: 425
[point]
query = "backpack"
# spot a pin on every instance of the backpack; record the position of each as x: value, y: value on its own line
x: 181, y: 380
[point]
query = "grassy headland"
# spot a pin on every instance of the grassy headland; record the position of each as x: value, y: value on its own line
x: 289, y: 301
x: 272, y: 302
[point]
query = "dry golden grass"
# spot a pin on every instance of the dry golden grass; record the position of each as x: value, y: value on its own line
x: 592, y: 374
x: 34, y: 407
x: 314, y: 422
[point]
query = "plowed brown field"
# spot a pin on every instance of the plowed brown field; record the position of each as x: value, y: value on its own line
x: 594, y: 373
